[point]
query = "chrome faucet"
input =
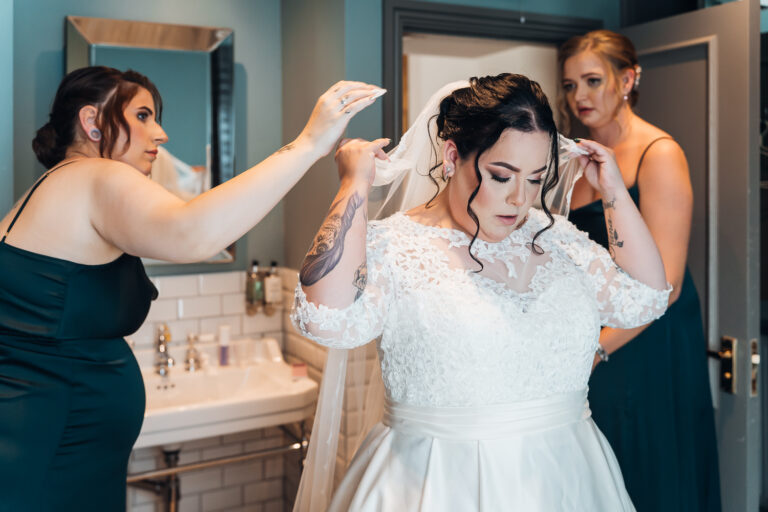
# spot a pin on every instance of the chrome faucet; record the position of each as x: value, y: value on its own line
x: 163, y: 360
x: 192, y: 360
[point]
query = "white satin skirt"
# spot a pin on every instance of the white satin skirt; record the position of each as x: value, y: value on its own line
x: 540, y: 455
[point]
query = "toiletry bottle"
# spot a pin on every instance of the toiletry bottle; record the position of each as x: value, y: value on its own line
x: 254, y: 290
x: 273, y: 290
x: 223, y: 345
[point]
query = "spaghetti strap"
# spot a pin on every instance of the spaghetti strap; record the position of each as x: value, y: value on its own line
x: 640, y: 162
x: 26, y: 199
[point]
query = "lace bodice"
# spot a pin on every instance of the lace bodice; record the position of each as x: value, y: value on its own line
x: 524, y: 327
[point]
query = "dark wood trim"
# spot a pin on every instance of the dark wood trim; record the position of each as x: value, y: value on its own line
x: 404, y: 16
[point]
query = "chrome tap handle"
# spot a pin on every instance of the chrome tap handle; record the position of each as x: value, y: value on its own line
x: 163, y: 360
x: 163, y: 334
x: 192, y: 359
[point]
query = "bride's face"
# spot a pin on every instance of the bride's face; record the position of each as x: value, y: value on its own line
x: 512, y: 171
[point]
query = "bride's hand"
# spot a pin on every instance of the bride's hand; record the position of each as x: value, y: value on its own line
x: 600, y: 168
x: 333, y: 111
x: 355, y: 158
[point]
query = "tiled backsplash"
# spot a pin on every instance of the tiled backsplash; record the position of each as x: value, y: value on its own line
x: 199, y: 304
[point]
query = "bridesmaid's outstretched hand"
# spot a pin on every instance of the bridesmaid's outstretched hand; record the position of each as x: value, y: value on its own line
x: 333, y: 111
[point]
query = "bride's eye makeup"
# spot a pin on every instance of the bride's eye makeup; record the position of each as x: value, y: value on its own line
x: 536, y: 179
x: 501, y: 179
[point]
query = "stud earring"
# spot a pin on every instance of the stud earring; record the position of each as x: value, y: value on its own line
x: 95, y: 135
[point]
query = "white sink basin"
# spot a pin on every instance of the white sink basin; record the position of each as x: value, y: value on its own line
x: 224, y: 400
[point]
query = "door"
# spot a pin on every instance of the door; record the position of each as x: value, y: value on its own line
x: 702, y: 71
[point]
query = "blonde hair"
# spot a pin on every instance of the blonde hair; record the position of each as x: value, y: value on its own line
x: 617, y: 53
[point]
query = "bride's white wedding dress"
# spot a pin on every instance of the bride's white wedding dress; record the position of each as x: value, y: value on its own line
x: 485, y: 373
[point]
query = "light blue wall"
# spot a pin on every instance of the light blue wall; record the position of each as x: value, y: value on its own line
x: 363, y: 60
x: 6, y: 105
x: 38, y: 67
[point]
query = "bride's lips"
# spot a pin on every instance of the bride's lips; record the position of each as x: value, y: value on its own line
x: 153, y: 153
x: 585, y: 110
x: 509, y: 220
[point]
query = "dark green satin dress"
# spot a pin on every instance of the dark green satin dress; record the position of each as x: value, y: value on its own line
x: 652, y: 401
x: 71, y: 393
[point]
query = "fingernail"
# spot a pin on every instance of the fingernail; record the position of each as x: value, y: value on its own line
x: 576, y: 139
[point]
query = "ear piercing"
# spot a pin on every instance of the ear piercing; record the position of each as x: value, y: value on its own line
x: 95, y: 135
x: 638, y: 74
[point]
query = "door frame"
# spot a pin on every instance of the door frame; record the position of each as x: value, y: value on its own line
x: 733, y: 220
x: 403, y: 16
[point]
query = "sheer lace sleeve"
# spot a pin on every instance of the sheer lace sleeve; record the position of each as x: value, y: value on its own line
x: 361, y: 321
x: 623, y: 301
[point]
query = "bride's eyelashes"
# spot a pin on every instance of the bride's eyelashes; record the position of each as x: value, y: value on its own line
x: 501, y: 179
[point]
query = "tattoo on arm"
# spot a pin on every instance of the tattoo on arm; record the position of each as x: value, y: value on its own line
x: 613, y: 237
x: 328, y: 246
x: 285, y: 148
x: 361, y: 279
x: 609, y: 205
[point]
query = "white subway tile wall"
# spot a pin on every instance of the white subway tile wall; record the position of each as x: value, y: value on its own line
x: 198, y: 304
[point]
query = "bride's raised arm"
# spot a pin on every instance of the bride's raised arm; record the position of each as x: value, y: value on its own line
x: 631, y: 244
x: 335, y: 304
x: 629, y: 279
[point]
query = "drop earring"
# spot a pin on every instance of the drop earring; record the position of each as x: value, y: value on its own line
x: 95, y: 135
x: 447, y: 172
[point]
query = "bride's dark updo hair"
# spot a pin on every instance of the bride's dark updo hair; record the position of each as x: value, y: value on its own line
x: 107, y: 89
x: 474, y: 118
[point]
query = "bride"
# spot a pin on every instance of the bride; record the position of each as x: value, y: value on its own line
x: 486, y: 311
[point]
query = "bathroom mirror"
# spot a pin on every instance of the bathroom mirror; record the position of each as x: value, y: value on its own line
x: 193, y: 69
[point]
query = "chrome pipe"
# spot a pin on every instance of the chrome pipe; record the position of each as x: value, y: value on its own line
x: 135, y: 479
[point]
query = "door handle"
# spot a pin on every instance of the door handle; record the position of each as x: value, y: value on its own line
x: 727, y: 357
x: 754, y: 362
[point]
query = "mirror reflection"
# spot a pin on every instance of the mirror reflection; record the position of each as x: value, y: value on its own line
x: 192, y: 67
x: 183, y: 163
